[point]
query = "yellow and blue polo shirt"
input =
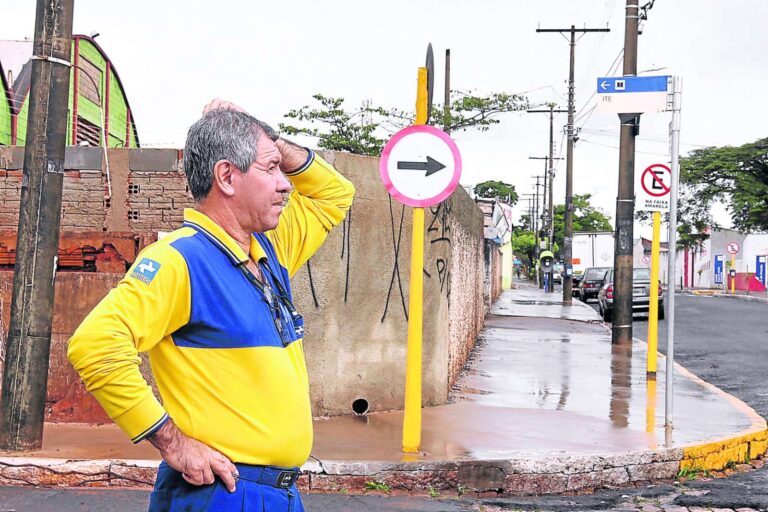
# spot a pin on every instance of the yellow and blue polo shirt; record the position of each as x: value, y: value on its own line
x: 223, y: 372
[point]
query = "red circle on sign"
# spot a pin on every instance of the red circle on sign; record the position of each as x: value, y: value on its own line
x: 654, y: 178
x: 733, y: 247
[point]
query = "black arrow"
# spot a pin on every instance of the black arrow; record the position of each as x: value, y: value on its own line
x: 431, y: 166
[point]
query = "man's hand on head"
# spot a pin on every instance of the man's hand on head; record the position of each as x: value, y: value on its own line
x: 217, y: 103
x: 197, y: 463
x: 293, y: 156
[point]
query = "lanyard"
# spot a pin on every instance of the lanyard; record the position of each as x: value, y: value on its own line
x: 288, y: 333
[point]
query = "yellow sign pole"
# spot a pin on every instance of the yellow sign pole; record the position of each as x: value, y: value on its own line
x: 733, y: 279
x: 653, y: 308
x: 650, y: 410
x: 412, y: 412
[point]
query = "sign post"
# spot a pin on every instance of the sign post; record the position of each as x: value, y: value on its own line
x: 674, y: 143
x: 733, y: 249
x: 420, y: 166
x: 655, y: 188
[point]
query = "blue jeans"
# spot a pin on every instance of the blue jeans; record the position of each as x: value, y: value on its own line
x: 174, y: 494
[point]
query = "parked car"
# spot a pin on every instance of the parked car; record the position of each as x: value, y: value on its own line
x: 641, y: 294
x: 576, y: 280
x: 557, y: 277
x: 591, y: 281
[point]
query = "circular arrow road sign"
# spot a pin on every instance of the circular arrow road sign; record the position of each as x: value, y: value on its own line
x: 420, y: 166
x: 733, y: 248
x: 657, y: 180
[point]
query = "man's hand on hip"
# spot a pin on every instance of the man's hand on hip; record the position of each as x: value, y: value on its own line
x: 197, y: 462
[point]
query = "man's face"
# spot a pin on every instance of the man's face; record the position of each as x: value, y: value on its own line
x: 261, y: 189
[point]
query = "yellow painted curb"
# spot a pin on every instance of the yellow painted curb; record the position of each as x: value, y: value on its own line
x: 704, y: 292
x: 717, y: 453
x: 743, y: 446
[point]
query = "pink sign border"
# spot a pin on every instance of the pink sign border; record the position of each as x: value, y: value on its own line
x: 384, y: 162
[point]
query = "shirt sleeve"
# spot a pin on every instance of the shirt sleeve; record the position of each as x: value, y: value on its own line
x: 319, y: 201
x: 151, y: 302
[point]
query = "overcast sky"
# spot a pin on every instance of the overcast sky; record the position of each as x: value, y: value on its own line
x: 270, y: 57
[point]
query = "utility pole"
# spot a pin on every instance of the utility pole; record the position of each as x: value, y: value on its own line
x: 25, y: 377
x: 533, y: 200
x: 625, y: 201
x: 568, y: 231
x: 539, y: 220
x: 551, y: 172
x: 447, y: 100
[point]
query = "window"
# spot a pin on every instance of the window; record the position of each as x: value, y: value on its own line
x: 88, y: 134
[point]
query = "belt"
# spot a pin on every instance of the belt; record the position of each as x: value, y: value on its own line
x: 280, y: 478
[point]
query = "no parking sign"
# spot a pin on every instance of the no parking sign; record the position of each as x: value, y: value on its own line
x: 655, y: 188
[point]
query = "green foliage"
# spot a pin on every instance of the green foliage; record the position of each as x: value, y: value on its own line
x: 736, y: 176
x: 478, y: 112
x: 692, y: 473
x: 585, y: 218
x: 433, y: 492
x: 340, y: 130
x: 492, y: 189
x: 523, y: 244
x: 377, y: 486
x: 364, y: 130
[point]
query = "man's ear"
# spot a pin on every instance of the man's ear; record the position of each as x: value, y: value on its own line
x: 223, y: 175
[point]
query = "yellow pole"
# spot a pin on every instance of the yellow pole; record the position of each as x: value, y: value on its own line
x: 412, y: 412
x: 650, y: 409
x: 653, y: 308
x: 733, y: 279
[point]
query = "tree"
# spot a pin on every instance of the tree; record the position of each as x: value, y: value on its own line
x: 342, y: 130
x: 493, y: 189
x: 523, y: 243
x: 735, y: 176
x: 585, y: 218
x: 363, y: 130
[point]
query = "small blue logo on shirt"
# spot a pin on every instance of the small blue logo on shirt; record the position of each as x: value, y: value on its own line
x: 146, y: 270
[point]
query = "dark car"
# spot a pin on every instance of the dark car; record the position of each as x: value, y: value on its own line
x: 591, y: 281
x: 641, y: 294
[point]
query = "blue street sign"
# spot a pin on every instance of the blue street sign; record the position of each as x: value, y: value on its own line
x: 617, y: 84
x: 718, y: 269
x: 760, y: 269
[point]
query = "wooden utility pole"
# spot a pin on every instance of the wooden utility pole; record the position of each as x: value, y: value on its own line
x: 625, y: 201
x: 568, y: 231
x: 551, y: 173
x: 25, y: 376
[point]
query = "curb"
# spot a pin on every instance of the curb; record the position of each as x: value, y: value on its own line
x: 747, y: 298
x: 514, y: 477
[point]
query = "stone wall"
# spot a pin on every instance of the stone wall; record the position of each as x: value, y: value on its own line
x: 353, y: 292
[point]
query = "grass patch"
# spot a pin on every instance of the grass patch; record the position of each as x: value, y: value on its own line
x: 377, y: 486
x: 692, y: 473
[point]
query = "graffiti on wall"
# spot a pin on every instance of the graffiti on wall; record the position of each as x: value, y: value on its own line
x: 396, y: 267
x: 439, y: 232
x: 346, y: 257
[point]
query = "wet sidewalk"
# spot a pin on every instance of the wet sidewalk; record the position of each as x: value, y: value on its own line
x: 547, y: 404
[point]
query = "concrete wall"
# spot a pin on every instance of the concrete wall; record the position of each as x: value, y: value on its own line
x: 353, y: 293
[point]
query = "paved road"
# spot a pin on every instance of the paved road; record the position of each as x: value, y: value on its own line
x: 723, y: 341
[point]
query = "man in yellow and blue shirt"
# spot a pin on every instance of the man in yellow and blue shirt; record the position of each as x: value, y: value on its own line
x: 211, y: 303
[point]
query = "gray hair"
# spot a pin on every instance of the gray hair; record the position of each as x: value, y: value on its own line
x: 220, y: 134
